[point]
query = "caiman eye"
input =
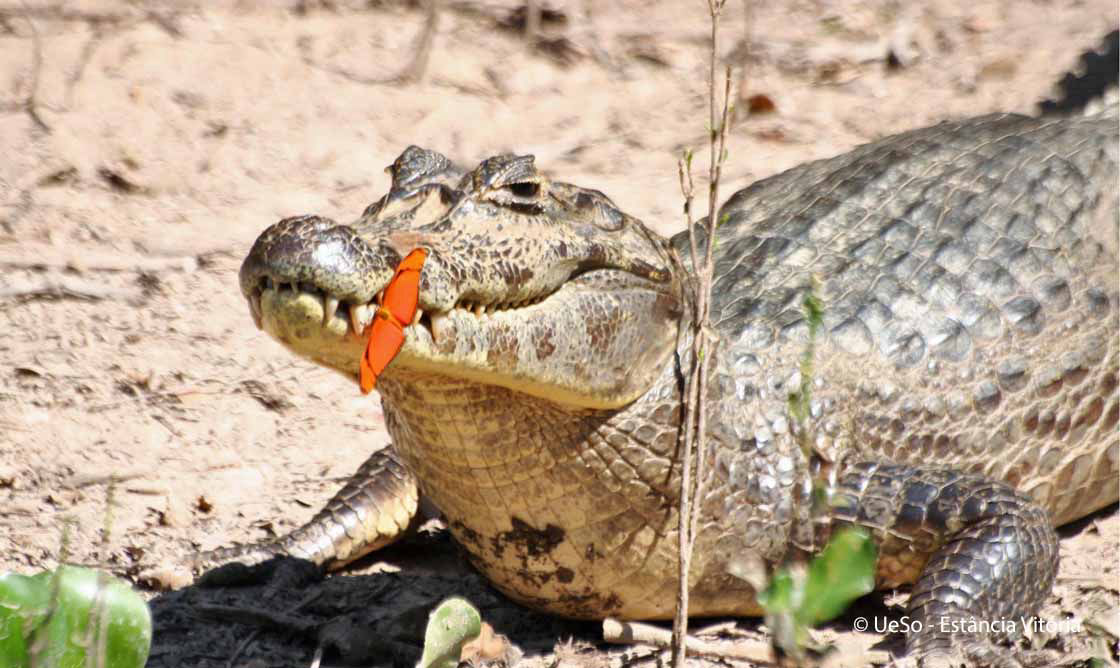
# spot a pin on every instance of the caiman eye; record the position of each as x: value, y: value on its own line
x: 525, y: 189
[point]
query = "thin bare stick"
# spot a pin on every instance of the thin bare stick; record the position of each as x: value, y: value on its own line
x: 59, y: 12
x: 413, y: 72
x: 84, y: 59
x: 684, y: 537
x: 66, y: 287
x: 532, y: 20
x: 701, y: 349
x: 703, y: 343
x: 31, y: 105
x: 267, y: 620
x: 45, y: 256
x: 423, y: 46
x: 630, y: 633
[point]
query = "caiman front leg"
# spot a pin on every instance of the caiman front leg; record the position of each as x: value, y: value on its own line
x: 976, y: 551
x: 373, y: 509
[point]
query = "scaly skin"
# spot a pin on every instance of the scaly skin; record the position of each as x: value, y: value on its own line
x: 964, y: 392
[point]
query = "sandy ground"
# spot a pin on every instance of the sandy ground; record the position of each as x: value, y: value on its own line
x: 166, y: 136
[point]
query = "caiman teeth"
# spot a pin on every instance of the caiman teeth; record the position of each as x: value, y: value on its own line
x: 360, y: 317
x: 481, y: 308
x: 330, y: 307
x: 255, y: 309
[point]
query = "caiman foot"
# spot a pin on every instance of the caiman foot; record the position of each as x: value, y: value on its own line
x: 984, y: 556
x: 375, y: 508
x: 981, y: 653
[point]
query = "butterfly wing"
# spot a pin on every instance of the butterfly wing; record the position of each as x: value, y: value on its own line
x: 385, y: 341
x: 398, y: 308
x: 404, y: 289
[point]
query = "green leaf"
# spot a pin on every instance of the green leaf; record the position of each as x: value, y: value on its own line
x: 841, y: 573
x: 781, y: 600
x: 74, y: 618
x: 797, y: 599
x: 779, y: 595
x: 24, y: 602
x: 453, y: 623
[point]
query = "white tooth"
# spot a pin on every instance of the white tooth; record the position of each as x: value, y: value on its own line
x: 360, y: 317
x: 255, y: 309
x: 330, y: 307
x: 419, y: 315
x: 480, y: 310
x: 438, y: 320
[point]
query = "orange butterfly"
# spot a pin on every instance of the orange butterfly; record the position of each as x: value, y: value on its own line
x: 395, y: 312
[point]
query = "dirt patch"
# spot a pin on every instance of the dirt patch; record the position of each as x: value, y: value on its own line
x: 163, y: 137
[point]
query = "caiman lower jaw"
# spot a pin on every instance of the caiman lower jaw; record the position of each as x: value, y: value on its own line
x: 298, y: 318
x: 582, y: 345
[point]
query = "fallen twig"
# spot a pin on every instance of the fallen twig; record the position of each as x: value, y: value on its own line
x: 302, y: 626
x: 61, y: 287
x: 81, y: 480
x: 30, y: 105
x: 629, y: 633
x: 532, y: 20
x: 412, y: 72
x: 259, y: 618
x: 422, y: 47
x: 59, y: 12
x: 43, y: 256
x: 84, y: 59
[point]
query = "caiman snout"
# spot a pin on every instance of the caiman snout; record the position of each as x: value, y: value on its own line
x: 312, y: 284
x: 317, y: 254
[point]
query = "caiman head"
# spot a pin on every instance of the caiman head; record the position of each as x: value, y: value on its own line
x: 533, y: 285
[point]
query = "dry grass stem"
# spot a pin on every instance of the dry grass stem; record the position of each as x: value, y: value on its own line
x: 629, y: 633
x: 695, y: 422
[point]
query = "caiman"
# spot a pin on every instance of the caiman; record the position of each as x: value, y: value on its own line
x: 963, y: 392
